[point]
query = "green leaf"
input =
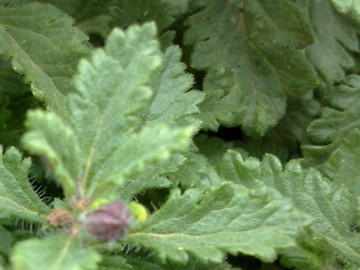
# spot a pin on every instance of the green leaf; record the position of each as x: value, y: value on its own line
x: 102, y: 141
x: 255, y: 60
x: 342, y: 166
x: 43, y: 45
x: 283, y: 140
x: 55, y: 253
x: 334, y: 40
x: 57, y: 143
x: 174, y: 102
x: 17, y: 198
x: 143, y: 263
x: 311, y: 193
x: 114, y: 263
x: 226, y: 218
x: 336, y: 122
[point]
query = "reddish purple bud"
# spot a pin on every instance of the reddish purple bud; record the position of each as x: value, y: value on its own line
x: 109, y: 222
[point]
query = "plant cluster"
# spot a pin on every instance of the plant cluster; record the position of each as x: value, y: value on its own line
x: 179, y: 134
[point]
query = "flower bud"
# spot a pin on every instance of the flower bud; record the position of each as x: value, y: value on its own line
x: 109, y: 222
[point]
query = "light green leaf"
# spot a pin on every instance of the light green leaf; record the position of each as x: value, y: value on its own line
x: 311, y: 193
x: 334, y: 39
x: 226, y: 218
x: 255, y: 60
x: 102, y: 141
x: 57, y: 143
x: 348, y: 7
x: 43, y: 45
x: 173, y: 104
x: 336, y: 122
x: 17, y: 198
x: 55, y: 253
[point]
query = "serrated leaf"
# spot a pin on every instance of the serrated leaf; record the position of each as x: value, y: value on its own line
x: 57, y: 253
x: 174, y: 102
x: 336, y: 122
x: 17, y: 198
x: 227, y: 218
x: 57, y: 143
x: 155, y: 176
x: 43, y: 45
x: 342, y: 166
x: 311, y: 193
x: 104, y: 122
x: 334, y: 39
x: 255, y: 60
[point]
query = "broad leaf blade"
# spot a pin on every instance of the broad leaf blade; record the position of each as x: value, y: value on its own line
x: 17, y: 198
x: 176, y: 105
x: 55, y: 253
x: 254, y: 61
x: 104, y: 138
x: 124, y: 92
x: 44, y: 46
x: 174, y: 102
x: 227, y: 218
x: 334, y: 39
x: 311, y: 193
x: 337, y: 121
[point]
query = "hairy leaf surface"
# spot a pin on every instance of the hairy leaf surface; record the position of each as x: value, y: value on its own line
x: 174, y: 103
x: 102, y: 141
x: 328, y: 202
x: 227, y: 218
x: 17, y: 198
x: 255, y: 60
x: 57, y: 253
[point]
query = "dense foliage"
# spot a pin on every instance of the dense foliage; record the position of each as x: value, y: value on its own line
x: 179, y: 134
